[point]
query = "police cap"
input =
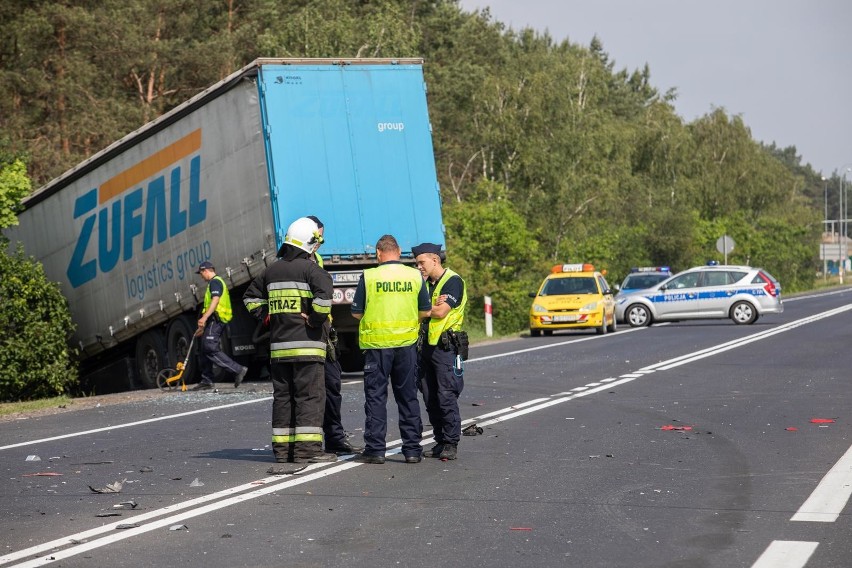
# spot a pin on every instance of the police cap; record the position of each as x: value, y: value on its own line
x: 204, y: 266
x: 425, y: 248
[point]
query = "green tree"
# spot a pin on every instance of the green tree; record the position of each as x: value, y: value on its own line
x: 35, y: 322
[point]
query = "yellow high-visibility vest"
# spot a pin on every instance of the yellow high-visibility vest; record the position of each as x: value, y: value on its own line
x: 454, y: 319
x: 391, y: 313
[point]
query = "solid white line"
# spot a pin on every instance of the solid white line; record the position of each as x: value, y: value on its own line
x: 128, y: 533
x: 831, y: 495
x: 129, y: 424
x: 786, y: 554
x: 552, y: 345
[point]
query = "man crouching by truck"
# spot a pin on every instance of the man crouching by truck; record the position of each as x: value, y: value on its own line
x: 211, y: 325
x: 294, y: 294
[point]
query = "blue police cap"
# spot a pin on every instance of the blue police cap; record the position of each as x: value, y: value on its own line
x: 425, y: 248
x: 204, y: 266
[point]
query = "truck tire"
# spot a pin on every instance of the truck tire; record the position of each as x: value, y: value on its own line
x: 150, y: 358
x: 178, y: 338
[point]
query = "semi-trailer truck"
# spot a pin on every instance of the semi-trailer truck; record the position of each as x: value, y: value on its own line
x: 219, y: 178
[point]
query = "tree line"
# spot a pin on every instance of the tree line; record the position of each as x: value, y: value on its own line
x: 547, y: 151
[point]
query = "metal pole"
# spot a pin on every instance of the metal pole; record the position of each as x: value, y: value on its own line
x: 840, y: 263
x: 824, y: 227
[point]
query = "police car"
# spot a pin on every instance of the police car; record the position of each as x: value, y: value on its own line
x: 644, y: 277
x: 572, y: 296
x: 741, y: 293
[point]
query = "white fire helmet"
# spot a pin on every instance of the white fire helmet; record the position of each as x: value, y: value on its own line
x: 303, y: 234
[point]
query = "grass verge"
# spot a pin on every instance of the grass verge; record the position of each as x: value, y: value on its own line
x: 7, y: 408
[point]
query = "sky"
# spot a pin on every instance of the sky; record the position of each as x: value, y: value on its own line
x: 784, y: 66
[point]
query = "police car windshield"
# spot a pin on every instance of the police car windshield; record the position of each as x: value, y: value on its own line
x: 574, y: 285
x: 639, y: 281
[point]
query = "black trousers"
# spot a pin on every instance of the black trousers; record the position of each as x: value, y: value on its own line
x: 397, y: 366
x: 332, y: 424
x: 441, y: 389
x: 297, y: 409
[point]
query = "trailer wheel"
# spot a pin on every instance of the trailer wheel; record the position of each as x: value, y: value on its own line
x: 150, y: 358
x: 178, y: 338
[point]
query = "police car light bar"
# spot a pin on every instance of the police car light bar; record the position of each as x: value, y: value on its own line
x: 651, y: 269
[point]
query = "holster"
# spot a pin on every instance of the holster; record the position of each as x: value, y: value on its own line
x: 455, y: 341
x: 331, y: 346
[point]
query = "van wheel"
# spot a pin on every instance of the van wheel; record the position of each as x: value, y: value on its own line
x: 150, y: 358
x: 743, y: 313
x: 637, y: 315
x: 614, y: 327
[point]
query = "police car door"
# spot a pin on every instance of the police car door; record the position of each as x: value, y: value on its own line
x: 715, y: 293
x: 679, y: 298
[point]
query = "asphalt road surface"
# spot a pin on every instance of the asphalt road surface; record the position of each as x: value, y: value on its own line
x: 693, y: 444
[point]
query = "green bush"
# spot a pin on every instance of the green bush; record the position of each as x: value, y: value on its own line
x: 35, y: 325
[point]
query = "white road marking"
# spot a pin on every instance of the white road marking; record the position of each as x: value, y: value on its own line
x: 831, y: 495
x: 786, y: 554
x: 137, y: 423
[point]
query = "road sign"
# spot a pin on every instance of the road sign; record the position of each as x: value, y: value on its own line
x: 725, y: 244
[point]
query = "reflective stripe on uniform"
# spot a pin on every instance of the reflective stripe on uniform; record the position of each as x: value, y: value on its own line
x: 288, y: 285
x: 286, y: 349
x: 454, y: 318
x: 297, y: 434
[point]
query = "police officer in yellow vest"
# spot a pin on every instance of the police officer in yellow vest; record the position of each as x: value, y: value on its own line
x: 211, y: 325
x: 440, y: 370
x: 390, y: 301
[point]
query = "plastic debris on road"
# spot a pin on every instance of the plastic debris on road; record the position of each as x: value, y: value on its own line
x: 109, y: 487
x: 127, y: 526
x: 669, y: 427
x: 472, y: 430
x: 791, y: 429
x: 178, y: 528
x: 33, y: 458
x: 520, y: 528
x: 823, y: 420
x: 42, y: 474
x: 286, y: 469
x: 126, y: 505
x: 196, y: 483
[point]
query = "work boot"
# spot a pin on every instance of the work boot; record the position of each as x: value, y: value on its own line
x: 202, y: 386
x: 368, y: 458
x: 240, y: 376
x: 322, y: 458
x: 434, y: 451
x: 412, y: 459
x: 344, y: 448
x: 449, y: 452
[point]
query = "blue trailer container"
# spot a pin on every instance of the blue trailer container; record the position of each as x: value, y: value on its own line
x: 220, y: 178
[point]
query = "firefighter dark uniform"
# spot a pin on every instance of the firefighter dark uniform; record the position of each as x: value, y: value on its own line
x: 290, y: 289
x: 390, y: 298
x: 440, y: 374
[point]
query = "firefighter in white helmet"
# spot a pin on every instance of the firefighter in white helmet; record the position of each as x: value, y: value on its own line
x: 295, y: 294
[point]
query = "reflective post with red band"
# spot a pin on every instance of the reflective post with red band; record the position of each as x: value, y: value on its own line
x: 488, y: 329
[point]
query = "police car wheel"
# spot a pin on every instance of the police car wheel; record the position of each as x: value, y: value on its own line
x: 743, y: 313
x: 637, y: 315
